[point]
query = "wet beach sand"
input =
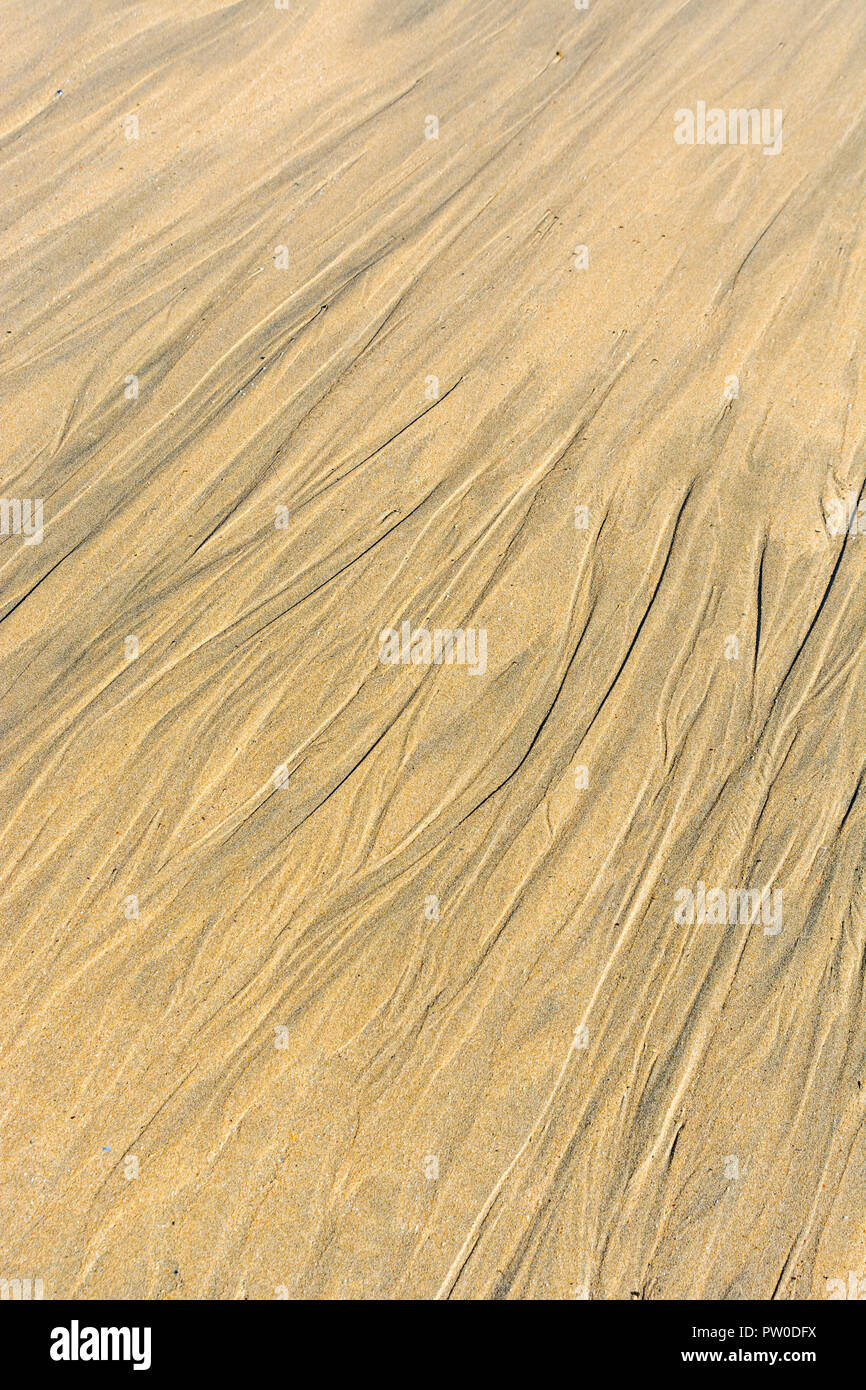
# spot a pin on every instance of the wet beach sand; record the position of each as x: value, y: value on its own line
x: 432, y: 608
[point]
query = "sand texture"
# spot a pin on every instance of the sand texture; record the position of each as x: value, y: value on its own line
x: 331, y: 969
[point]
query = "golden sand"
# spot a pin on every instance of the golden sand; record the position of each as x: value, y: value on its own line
x: 332, y: 976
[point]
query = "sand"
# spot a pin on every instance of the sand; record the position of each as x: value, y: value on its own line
x: 331, y: 969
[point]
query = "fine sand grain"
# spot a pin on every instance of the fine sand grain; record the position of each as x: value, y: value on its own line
x: 331, y: 969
